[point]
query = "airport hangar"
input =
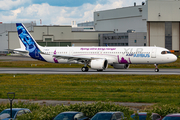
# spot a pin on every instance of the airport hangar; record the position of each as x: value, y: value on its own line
x: 156, y: 22
x: 159, y: 19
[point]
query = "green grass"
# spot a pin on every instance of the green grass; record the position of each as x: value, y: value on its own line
x: 40, y: 64
x: 162, y: 89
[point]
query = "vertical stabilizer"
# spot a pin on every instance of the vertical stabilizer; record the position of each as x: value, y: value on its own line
x: 28, y: 42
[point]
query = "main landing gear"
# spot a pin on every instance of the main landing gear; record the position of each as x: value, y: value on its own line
x: 85, y: 68
x: 156, y: 68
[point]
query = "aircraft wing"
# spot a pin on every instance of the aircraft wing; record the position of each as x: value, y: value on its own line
x: 77, y: 58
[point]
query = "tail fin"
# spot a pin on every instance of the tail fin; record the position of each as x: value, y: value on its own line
x: 29, y: 42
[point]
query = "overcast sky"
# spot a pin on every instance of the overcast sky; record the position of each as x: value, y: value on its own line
x: 56, y: 12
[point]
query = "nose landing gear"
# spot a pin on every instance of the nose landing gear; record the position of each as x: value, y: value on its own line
x: 156, y: 68
x: 84, y: 69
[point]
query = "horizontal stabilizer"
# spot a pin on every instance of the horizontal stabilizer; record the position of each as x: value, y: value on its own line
x: 20, y: 51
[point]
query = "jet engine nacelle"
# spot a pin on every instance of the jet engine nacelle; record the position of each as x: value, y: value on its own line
x: 120, y: 66
x: 99, y: 64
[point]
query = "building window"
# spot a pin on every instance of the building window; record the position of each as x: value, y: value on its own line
x: 126, y: 37
x: 168, y: 35
x: 42, y: 43
x: 52, y: 43
x: 144, y: 44
x: 88, y: 28
x: 105, y: 44
x: 49, y: 43
x: 121, y: 44
x: 144, y: 37
x: 135, y: 41
x: 48, y: 39
x: 65, y: 43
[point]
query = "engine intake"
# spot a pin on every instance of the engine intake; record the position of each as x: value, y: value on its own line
x: 99, y: 64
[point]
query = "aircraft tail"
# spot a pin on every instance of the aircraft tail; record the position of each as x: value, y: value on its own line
x: 29, y: 42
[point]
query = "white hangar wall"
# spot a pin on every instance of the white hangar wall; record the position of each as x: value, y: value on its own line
x: 121, y: 19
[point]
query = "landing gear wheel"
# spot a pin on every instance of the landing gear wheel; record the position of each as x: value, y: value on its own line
x: 99, y: 70
x: 156, y: 69
x: 84, y: 69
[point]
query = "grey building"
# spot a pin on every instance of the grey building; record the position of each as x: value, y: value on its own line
x: 123, y: 39
x: 4, y: 33
x: 58, y: 35
x: 157, y: 22
x: 91, y: 23
x: 85, y: 26
x: 159, y: 18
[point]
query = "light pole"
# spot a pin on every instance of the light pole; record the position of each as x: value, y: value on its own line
x: 11, y: 99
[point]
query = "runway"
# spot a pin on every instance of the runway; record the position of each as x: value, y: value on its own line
x: 78, y: 71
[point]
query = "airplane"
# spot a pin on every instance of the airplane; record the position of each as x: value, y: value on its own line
x: 97, y: 58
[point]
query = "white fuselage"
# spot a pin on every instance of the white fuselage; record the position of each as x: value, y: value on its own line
x: 121, y: 55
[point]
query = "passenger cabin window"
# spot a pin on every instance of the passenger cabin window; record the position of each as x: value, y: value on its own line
x: 165, y: 52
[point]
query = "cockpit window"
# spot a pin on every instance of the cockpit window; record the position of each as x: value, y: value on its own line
x: 165, y: 52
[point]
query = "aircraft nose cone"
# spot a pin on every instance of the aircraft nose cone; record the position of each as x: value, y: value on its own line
x: 174, y: 58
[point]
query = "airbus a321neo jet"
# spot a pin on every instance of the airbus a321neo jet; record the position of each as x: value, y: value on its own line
x: 96, y: 58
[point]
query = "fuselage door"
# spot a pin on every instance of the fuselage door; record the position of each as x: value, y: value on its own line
x: 153, y: 53
x: 71, y: 52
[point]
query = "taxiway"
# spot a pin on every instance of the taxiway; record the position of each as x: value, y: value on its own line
x: 134, y: 71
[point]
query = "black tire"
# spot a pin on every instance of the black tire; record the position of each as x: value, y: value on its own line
x: 87, y: 69
x: 84, y: 69
x: 156, y: 70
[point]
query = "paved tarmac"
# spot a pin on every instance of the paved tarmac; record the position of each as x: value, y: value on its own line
x: 16, y: 58
x: 138, y: 71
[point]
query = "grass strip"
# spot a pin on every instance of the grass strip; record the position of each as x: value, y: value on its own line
x: 163, y: 89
